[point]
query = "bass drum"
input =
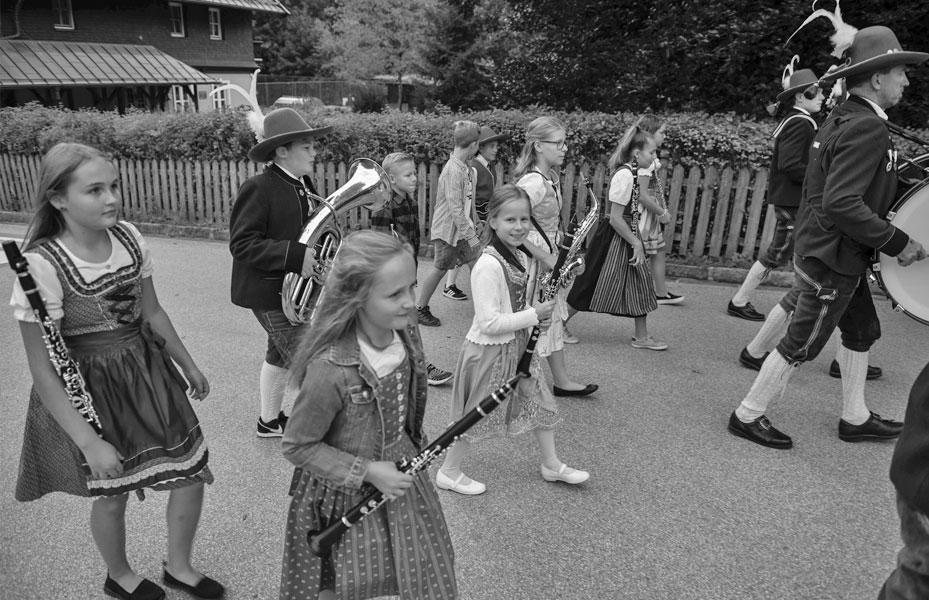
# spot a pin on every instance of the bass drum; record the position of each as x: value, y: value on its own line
x: 908, y: 287
x: 911, y: 173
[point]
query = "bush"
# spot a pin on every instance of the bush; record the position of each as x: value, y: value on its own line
x: 692, y: 138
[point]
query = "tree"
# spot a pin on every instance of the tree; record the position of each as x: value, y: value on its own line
x: 375, y: 37
x: 291, y: 44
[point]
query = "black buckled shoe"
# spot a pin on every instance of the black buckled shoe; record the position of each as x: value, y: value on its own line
x: 875, y: 428
x: 746, y: 312
x: 749, y: 361
x: 835, y: 371
x: 205, y: 588
x: 760, y: 431
x: 146, y: 590
x: 587, y: 390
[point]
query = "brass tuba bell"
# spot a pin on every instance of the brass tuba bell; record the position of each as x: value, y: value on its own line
x: 368, y: 187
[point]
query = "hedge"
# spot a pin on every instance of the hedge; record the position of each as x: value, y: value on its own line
x: 692, y: 138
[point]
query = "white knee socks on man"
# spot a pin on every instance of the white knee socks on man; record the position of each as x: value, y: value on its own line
x: 854, y: 367
x: 770, y: 382
x: 771, y: 332
x: 754, y: 278
x: 271, y: 383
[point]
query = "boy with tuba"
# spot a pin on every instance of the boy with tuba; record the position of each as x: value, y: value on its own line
x: 268, y: 215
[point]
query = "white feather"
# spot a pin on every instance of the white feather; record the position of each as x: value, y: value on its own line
x: 844, y: 33
x: 789, y: 71
x: 255, y: 116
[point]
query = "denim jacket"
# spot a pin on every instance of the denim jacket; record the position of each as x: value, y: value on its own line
x: 337, y: 426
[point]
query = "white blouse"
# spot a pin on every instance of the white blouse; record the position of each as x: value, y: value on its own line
x: 494, y: 320
x: 46, y: 279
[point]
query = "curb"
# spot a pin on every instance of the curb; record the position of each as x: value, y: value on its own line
x: 672, y: 270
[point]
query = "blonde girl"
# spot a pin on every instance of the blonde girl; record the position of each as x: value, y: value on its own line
x: 95, y: 275
x: 537, y: 172
x: 495, y: 343
x: 360, y: 408
x: 617, y: 280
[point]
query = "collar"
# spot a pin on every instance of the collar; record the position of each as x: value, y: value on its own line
x: 877, y: 109
x: 802, y: 110
x: 287, y: 175
x: 482, y: 160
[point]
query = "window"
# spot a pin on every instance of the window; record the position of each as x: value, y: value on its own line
x: 64, y: 18
x: 221, y: 100
x: 177, y: 19
x: 180, y: 102
x: 216, y: 26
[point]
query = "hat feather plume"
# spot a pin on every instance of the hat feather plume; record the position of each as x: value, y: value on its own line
x: 255, y: 117
x: 789, y: 71
x: 844, y: 33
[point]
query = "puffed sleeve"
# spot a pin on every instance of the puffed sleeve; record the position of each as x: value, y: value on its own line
x: 488, y: 283
x: 46, y: 280
x: 620, y: 190
x: 147, y: 265
x: 534, y: 184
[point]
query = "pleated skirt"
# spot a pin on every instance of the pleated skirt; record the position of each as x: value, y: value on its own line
x: 144, y: 412
x: 609, y: 284
x: 401, y: 549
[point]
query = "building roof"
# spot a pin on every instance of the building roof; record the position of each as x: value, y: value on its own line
x: 270, y: 6
x: 32, y: 64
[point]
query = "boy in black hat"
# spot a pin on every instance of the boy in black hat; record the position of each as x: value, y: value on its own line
x: 849, y: 187
x: 792, y: 139
x: 268, y: 215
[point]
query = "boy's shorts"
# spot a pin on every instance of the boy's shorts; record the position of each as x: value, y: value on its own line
x: 448, y: 257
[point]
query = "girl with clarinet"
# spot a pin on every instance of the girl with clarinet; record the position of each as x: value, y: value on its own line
x: 95, y: 274
x: 496, y: 341
x: 616, y: 279
x: 360, y: 408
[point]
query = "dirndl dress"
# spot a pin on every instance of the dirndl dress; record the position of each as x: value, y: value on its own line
x: 137, y: 392
x: 401, y: 549
x: 609, y: 284
x: 483, y: 368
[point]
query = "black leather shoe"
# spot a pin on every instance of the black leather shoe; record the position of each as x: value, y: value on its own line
x: 760, y: 431
x: 146, y: 590
x: 835, y: 371
x: 746, y: 312
x: 205, y: 588
x: 589, y: 389
x: 750, y: 362
x: 875, y: 428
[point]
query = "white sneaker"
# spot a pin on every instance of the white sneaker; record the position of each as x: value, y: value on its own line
x: 445, y: 482
x: 567, y: 337
x: 649, y: 343
x: 565, y: 474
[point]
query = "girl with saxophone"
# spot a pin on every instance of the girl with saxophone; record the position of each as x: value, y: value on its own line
x: 95, y: 274
x: 362, y: 379
x: 617, y: 279
x: 495, y: 344
x: 536, y: 172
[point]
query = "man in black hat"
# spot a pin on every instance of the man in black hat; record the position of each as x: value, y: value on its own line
x: 849, y: 186
x: 792, y: 139
x: 268, y: 215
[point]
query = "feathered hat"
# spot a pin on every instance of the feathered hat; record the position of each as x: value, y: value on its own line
x: 794, y: 82
x: 282, y: 126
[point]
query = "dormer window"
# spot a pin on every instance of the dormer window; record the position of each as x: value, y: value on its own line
x: 177, y: 19
x: 64, y: 18
x: 216, y: 25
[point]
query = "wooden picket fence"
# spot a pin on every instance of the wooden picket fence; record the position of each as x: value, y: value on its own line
x: 717, y: 213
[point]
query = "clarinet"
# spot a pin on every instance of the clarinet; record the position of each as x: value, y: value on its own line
x: 58, y: 353
x: 322, y: 541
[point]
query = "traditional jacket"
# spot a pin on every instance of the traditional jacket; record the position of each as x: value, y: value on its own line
x: 849, y: 187
x: 909, y: 469
x: 267, y: 217
x: 483, y: 187
x: 792, y: 140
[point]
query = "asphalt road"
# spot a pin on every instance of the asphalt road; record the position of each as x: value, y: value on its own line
x: 676, y: 508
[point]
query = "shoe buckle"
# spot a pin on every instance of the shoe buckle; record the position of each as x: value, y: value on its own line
x: 764, y: 423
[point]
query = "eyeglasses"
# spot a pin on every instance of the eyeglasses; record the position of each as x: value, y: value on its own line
x: 558, y: 145
x: 810, y: 93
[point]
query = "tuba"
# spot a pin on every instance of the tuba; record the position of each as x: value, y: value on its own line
x: 368, y: 186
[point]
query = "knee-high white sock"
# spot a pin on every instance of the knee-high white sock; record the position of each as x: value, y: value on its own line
x: 771, y: 382
x: 271, y: 385
x: 771, y: 332
x: 754, y: 278
x: 854, y: 367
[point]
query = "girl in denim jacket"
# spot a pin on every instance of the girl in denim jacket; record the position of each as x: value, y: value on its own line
x: 360, y: 408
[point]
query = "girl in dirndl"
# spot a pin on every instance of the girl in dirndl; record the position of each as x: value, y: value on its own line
x: 617, y: 279
x: 360, y: 408
x: 536, y: 172
x: 95, y: 275
x: 495, y: 344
